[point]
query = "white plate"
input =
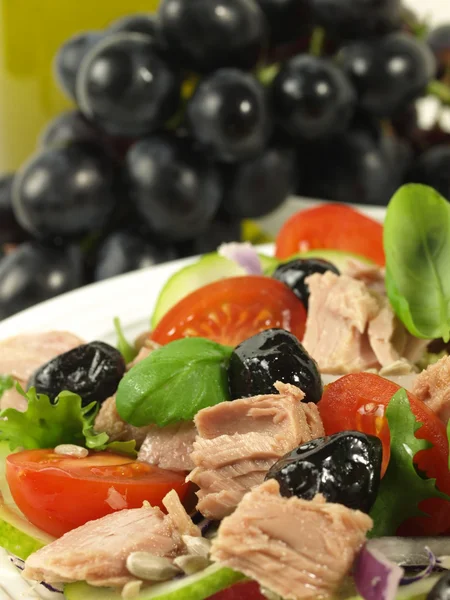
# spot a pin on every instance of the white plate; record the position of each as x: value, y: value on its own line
x: 89, y: 312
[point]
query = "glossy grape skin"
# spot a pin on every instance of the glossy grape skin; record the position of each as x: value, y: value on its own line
x: 288, y: 19
x: 222, y: 229
x: 229, y: 115
x: 433, y: 168
x: 256, y: 187
x: 344, y: 467
x: 312, y: 99
x: 10, y: 230
x: 125, y: 251
x: 356, y: 18
x: 126, y: 88
x: 69, y: 58
x: 439, y: 41
x: 205, y: 35
x: 294, y: 273
x: 68, y: 127
x: 175, y: 189
x: 137, y: 23
x: 354, y: 167
x: 270, y: 356
x: 33, y: 273
x: 65, y: 192
x: 388, y: 73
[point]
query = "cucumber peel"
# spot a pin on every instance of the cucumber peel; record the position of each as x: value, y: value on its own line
x: 211, y: 267
x: 338, y: 258
x: 193, y: 587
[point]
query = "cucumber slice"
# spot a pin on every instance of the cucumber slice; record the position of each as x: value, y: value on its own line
x: 194, y: 587
x: 338, y: 258
x: 207, y: 269
x: 17, y: 534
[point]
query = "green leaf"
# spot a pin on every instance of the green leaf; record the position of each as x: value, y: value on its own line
x: 417, y: 248
x: 45, y: 424
x: 6, y: 383
x: 174, y: 382
x: 128, y: 352
x: 402, y: 488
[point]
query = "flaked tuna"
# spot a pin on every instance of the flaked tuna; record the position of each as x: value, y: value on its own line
x: 432, y: 386
x: 239, y: 441
x: 299, y: 549
x: 109, y: 421
x: 169, y: 447
x: 21, y: 355
x: 97, y: 551
x: 340, y: 309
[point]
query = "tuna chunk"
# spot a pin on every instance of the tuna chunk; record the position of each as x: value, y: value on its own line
x: 340, y: 309
x: 169, y: 447
x: 299, y: 549
x: 387, y: 336
x: 239, y: 441
x: 372, y: 275
x: 21, y: 355
x: 97, y: 551
x: 109, y: 421
x: 432, y: 386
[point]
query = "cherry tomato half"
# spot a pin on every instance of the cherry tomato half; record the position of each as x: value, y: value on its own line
x: 349, y: 402
x: 331, y: 226
x: 231, y: 310
x: 58, y: 493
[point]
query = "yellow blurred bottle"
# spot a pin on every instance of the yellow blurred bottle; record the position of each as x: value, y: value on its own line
x: 31, y: 31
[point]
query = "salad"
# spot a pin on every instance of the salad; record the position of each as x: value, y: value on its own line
x: 280, y: 432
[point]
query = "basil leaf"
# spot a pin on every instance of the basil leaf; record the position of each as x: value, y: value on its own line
x: 123, y: 346
x: 174, y: 382
x: 6, y: 383
x: 417, y: 248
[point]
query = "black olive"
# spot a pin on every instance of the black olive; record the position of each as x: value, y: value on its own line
x: 441, y: 589
x: 344, y: 467
x: 294, y: 273
x: 92, y: 371
x: 270, y: 356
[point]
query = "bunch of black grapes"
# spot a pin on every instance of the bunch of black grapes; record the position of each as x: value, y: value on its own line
x: 210, y: 112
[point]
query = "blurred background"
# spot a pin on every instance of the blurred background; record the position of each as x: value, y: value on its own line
x: 136, y: 132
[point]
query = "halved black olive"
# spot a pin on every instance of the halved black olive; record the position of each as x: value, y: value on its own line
x: 344, y: 467
x: 93, y: 371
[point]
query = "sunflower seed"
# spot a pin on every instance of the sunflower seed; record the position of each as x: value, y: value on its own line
x: 72, y: 450
x: 197, y: 546
x: 191, y: 564
x: 131, y: 589
x: 144, y: 565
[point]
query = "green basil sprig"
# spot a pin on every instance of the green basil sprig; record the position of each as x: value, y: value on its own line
x: 174, y: 382
x: 417, y: 248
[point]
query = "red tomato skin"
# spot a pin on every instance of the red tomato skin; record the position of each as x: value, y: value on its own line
x: 248, y: 590
x: 231, y: 310
x: 337, y: 411
x: 56, y: 500
x: 333, y: 227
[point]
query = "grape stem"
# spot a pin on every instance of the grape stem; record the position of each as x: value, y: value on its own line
x: 267, y: 74
x: 439, y: 90
x: 317, y: 41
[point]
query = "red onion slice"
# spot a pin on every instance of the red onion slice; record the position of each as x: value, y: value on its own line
x: 244, y: 254
x: 376, y: 577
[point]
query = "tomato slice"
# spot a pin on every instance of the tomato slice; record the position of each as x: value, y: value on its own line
x: 58, y: 493
x: 349, y: 402
x: 249, y: 590
x: 231, y: 310
x: 331, y: 226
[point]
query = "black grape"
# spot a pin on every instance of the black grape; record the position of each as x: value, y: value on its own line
x: 126, y: 88
x: 65, y: 192
x: 229, y: 115
x: 175, y: 189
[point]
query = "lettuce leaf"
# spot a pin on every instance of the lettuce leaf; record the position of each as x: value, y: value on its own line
x: 402, y: 488
x: 45, y: 424
x: 6, y: 383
